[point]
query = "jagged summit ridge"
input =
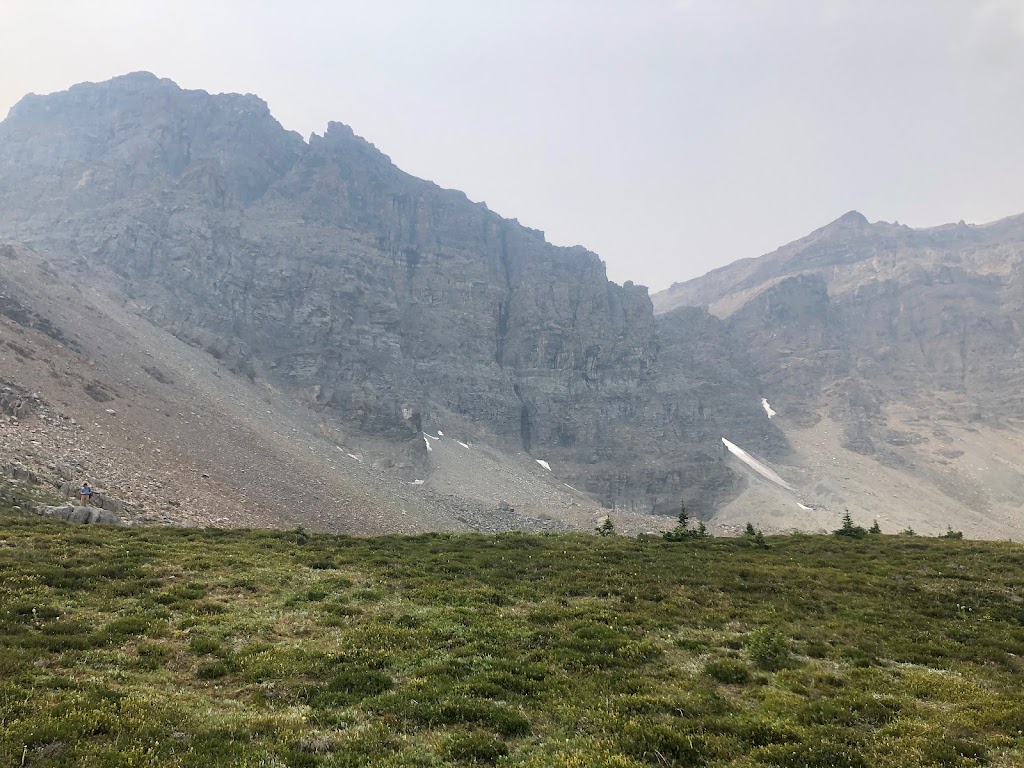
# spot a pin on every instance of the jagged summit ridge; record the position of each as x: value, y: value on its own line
x: 132, y: 82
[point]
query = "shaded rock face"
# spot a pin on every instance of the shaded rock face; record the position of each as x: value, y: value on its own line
x: 792, y: 334
x: 706, y: 389
x: 394, y: 304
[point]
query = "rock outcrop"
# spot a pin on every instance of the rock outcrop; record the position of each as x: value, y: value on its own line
x: 84, y: 515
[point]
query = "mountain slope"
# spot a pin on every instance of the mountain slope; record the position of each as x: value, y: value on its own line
x: 895, y: 358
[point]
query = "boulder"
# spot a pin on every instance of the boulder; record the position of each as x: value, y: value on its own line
x: 83, y: 515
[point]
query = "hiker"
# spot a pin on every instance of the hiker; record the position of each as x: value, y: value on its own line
x: 86, y: 493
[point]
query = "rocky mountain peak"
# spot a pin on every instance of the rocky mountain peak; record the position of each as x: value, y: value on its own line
x: 341, y: 138
x: 851, y: 218
x: 102, y: 142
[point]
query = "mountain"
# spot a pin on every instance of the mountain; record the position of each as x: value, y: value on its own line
x: 220, y: 321
x: 894, y: 358
x: 395, y: 313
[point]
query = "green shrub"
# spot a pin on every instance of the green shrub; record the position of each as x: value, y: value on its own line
x: 769, y: 648
x: 474, y: 747
x: 660, y: 744
x: 151, y: 655
x: 323, y: 565
x: 850, y: 711
x: 350, y: 686
x: 683, y: 531
x: 214, y: 671
x: 728, y: 671
x: 201, y: 645
x: 420, y: 711
x: 757, y: 731
x: 814, y: 755
x: 954, y: 753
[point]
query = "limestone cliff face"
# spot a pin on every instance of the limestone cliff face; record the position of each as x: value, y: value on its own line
x: 393, y: 304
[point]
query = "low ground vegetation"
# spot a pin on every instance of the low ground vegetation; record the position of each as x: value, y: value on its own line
x: 145, y: 646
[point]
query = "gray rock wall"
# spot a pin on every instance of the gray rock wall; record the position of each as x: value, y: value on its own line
x: 392, y: 303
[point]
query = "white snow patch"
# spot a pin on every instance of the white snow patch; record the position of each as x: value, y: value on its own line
x: 462, y: 444
x: 543, y: 464
x: 353, y: 456
x: 417, y: 482
x: 767, y: 408
x: 427, y: 443
x: 761, y: 469
x: 803, y: 506
x: 570, y: 487
x: 440, y: 433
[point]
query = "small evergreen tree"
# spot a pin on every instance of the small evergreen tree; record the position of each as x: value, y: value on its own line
x: 908, y: 532
x: 749, y: 531
x: 951, y: 534
x: 607, y: 528
x: 769, y: 648
x: 683, y: 530
x: 874, y: 528
x: 759, y: 540
x: 849, y: 529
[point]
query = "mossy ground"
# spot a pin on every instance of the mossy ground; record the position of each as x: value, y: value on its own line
x: 136, y: 647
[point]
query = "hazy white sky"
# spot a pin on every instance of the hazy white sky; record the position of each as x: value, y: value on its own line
x: 670, y: 136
